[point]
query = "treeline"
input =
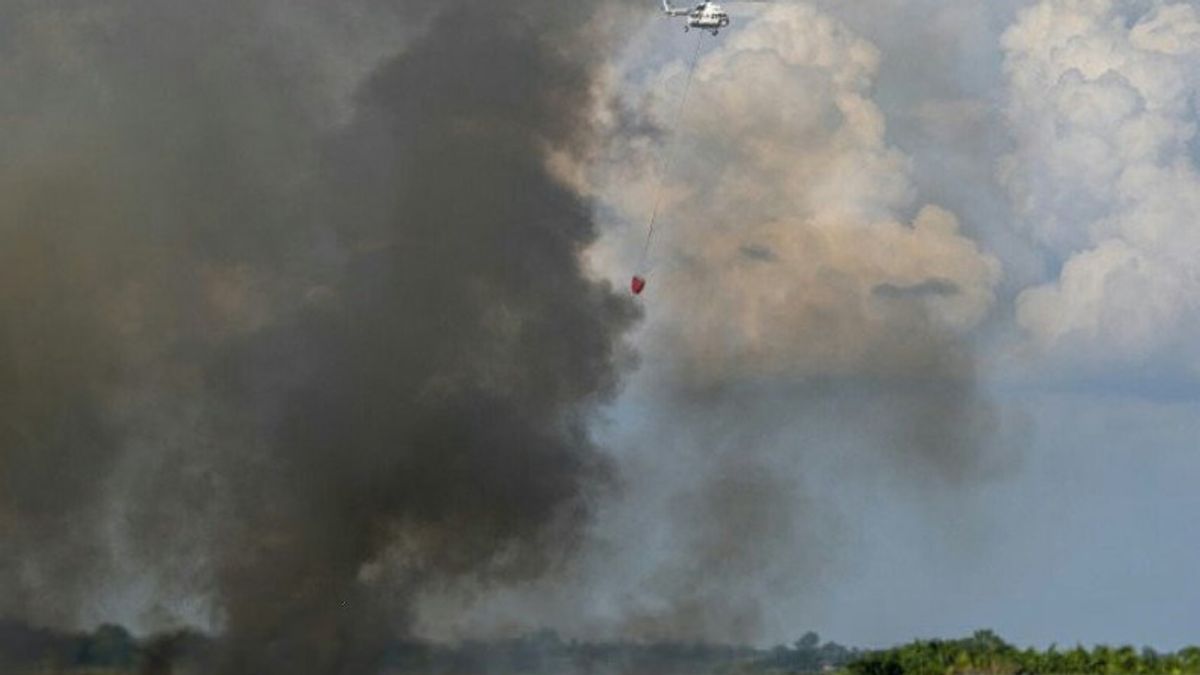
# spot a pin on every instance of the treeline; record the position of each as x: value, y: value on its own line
x: 806, y: 655
x: 984, y: 653
x: 545, y: 653
x: 113, y: 650
x: 25, y: 649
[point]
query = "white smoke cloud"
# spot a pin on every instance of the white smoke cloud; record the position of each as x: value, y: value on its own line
x: 1102, y: 104
x: 790, y: 241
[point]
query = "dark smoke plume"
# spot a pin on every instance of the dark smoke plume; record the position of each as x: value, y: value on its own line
x: 305, y: 370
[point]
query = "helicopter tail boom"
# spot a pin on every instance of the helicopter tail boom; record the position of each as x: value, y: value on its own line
x: 671, y: 11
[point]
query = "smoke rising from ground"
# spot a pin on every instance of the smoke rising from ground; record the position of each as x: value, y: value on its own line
x: 297, y: 369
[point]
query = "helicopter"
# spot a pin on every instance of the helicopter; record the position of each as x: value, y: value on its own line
x: 706, y: 16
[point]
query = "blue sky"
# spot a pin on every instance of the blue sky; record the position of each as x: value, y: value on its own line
x: 1091, y: 540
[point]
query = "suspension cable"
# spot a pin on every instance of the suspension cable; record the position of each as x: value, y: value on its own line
x: 672, y: 155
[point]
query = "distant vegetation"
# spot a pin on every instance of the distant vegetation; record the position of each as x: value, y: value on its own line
x: 109, y: 650
x: 112, y: 650
x: 986, y: 653
x: 546, y: 654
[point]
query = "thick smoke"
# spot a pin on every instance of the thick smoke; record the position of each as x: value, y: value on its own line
x: 296, y: 369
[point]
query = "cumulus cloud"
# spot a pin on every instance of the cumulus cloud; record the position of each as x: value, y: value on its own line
x: 787, y: 212
x: 1102, y: 105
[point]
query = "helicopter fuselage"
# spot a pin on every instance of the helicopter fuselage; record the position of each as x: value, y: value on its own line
x: 705, y: 16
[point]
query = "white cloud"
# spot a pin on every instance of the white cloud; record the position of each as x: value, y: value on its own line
x: 789, y: 239
x: 1103, y: 107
